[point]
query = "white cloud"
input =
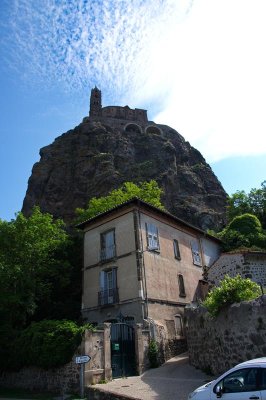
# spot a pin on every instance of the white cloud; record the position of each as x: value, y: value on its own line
x: 218, y: 91
x: 201, y: 63
x: 82, y: 42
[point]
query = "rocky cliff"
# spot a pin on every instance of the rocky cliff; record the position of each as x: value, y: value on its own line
x: 100, y: 154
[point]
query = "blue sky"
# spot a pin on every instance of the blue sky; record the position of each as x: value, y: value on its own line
x: 198, y: 66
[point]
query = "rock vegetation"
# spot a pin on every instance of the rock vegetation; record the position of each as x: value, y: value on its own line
x: 101, y: 153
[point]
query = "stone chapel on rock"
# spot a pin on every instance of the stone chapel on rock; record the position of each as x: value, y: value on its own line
x: 130, y: 119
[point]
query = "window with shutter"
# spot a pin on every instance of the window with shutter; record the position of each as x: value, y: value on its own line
x: 182, y: 291
x: 152, y: 237
x: 108, y: 250
x: 176, y: 249
x: 195, y: 249
x: 108, y: 293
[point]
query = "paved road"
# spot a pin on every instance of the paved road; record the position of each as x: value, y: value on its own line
x: 173, y: 380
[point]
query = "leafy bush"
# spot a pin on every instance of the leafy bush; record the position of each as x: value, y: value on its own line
x: 243, y: 231
x: 47, y: 344
x: 153, y: 354
x: 231, y: 290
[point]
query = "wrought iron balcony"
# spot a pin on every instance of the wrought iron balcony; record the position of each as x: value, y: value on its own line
x: 107, y: 253
x: 109, y: 296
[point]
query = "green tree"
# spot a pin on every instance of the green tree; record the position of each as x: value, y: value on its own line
x: 231, y: 290
x: 46, y: 344
x: 243, y: 231
x: 64, y: 279
x: 257, y: 200
x: 253, y: 202
x: 238, y: 204
x: 147, y: 191
x: 34, y: 265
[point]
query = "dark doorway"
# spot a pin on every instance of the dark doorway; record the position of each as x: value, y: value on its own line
x: 123, y: 350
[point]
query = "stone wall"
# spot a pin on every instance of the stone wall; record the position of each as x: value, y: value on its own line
x: 168, y: 345
x: 142, y: 339
x: 235, y: 335
x: 96, y: 346
x: 125, y: 113
x: 93, y: 393
x: 66, y: 379
x: 57, y: 380
x: 248, y: 264
x: 171, y: 348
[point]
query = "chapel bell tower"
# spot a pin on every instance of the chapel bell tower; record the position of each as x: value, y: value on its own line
x: 95, y: 102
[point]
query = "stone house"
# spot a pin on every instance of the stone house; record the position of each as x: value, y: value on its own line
x: 246, y: 263
x: 143, y: 265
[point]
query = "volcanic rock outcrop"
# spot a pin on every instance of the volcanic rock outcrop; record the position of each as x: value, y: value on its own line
x: 118, y: 144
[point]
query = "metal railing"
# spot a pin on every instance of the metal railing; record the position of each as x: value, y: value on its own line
x: 109, y: 296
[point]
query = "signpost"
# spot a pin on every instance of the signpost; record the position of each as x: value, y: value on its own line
x: 82, y: 360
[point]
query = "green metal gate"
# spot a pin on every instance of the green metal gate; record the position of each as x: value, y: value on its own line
x: 123, y: 350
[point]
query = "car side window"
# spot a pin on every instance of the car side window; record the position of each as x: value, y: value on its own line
x: 242, y: 380
x: 263, y: 379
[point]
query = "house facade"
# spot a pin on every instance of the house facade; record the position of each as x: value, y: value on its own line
x: 143, y: 264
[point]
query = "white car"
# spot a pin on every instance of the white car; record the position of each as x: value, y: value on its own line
x: 245, y: 381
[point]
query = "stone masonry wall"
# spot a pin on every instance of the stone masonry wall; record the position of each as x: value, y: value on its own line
x: 94, y: 346
x: 57, y: 380
x: 66, y: 379
x: 247, y: 264
x: 168, y: 346
x: 235, y: 335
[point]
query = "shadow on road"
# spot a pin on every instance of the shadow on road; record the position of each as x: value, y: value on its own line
x: 174, y: 380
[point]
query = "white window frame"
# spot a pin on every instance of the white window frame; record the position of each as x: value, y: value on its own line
x: 108, y: 284
x: 108, y: 252
x: 196, y: 254
x: 152, y: 237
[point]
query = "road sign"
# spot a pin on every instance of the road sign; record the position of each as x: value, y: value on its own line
x: 82, y: 359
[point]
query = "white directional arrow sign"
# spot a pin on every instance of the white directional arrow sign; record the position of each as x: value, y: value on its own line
x: 82, y: 359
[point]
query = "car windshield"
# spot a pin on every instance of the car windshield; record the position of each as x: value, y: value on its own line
x: 242, y: 380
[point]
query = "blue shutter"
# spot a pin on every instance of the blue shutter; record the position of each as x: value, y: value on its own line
x: 196, y: 253
x: 101, y: 294
x: 102, y: 280
x: 114, y: 270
